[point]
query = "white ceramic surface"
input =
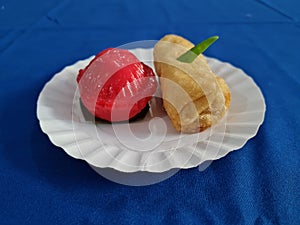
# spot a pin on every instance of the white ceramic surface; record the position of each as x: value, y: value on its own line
x: 156, y: 146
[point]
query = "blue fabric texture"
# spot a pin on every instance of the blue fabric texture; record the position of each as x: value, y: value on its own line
x: 41, y: 184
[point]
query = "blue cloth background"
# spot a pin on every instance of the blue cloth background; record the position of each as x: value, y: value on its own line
x: 40, y: 184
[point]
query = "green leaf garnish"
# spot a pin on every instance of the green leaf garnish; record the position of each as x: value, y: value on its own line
x: 192, y: 54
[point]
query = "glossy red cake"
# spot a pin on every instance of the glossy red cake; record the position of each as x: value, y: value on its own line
x: 116, y: 86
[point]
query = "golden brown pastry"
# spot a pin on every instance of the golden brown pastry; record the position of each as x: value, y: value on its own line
x: 193, y: 96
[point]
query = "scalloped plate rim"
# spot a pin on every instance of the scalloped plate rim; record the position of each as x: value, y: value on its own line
x: 136, y: 168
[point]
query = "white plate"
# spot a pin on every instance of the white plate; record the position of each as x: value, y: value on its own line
x: 160, y: 149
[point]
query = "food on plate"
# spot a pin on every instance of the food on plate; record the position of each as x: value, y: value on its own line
x: 193, y: 96
x: 116, y: 86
